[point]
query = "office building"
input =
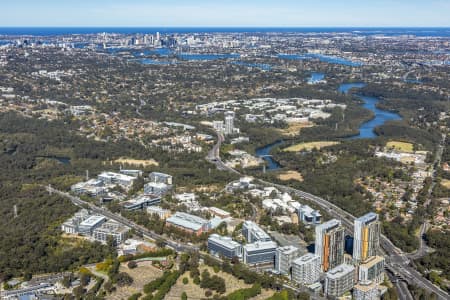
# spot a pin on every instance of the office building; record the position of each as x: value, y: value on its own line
x: 218, y: 126
x: 260, y: 253
x: 307, y: 215
x: 306, y: 269
x: 71, y: 226
x: 188, y: 223
x: 158, y: 211
x: 141, y: 202
x: 229, y: 123
x: 156, y: 188
x: 108, y: 178
x: 132, y: 173
x: 366, y: 241
x: 88, y: 225
x: 366, y: 291
x: 372, y: 270
x: 284, y: 258
x: 224, y: 246
x: 253, y: 233
x: 330, y: 244
x: 217, y: 212
x: 339, y: 280
x: 110, y: 229
x: 158, y: 177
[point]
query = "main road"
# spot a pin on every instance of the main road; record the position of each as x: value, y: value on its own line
x: 396, y: 261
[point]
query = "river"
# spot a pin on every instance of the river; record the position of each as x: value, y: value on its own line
x: 366, y: 130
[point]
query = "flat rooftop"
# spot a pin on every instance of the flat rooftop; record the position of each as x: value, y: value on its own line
x: 224, y: 241
x: 340, y: 271
x: 92, y: 220
x: 260, y: 246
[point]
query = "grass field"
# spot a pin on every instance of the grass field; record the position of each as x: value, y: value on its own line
x: 309, y: 146
x: 294, y: 129
x: 290, y: 175
x: 445, y: 183
x: 137, y: 162
x: 141, y: 275
x: 401, y: 146
x: 193, y: 291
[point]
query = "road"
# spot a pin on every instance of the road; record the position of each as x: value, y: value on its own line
x: 423, y: 248
x: 396, y: 260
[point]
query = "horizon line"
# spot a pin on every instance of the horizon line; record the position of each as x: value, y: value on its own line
x: 215, y: 26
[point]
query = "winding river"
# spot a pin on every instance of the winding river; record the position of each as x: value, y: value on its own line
x: 366, y: 130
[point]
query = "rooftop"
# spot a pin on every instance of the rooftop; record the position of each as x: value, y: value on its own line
x: 92, y: 220
x: 187, y: 221
x: 305, y: 259
x: 340, y: 271
x: 367, y: 218
x: 260, y: 246
x: 225, y: 241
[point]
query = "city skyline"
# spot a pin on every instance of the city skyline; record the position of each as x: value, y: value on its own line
x: 247, y: 13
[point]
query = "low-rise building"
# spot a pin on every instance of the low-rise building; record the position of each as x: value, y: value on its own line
x: 141, y: 202
x: 158, y: 177
x: 116, y: 178
x: 224, y: 246
x: 110, y: 229
x: 188, y: 223
x: 339, y: 280
x: 253, y: 233
x: 217, y: 212
x: 160, y: 212
x: 306, y: 269
x: 156, y: 188
x: 307, y: 215
x: 284, y: 258
x: 87, y: 226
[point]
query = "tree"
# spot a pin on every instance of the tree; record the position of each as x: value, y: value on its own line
x: 132, y: 264
x: 84, y: 279
x: 185, y: 280
x: 123, y: 279
x: 184, y: 296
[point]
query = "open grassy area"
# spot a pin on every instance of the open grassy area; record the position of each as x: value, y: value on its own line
x: 294, y: 129
x: 137, y: 162
x: 401, y: 146
x: 194, y: 291
x: 309, y: 146
x: 141, y: 275
x: 290, y: 175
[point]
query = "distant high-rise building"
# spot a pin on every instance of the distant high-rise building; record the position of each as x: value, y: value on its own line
x: 284, y: 258
x: 366, y: 241
x: 330, y: 244
x: 229, y: 122
x: 339, y: 280
x: 306, y: 269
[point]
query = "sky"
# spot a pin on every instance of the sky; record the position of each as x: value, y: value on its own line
x: 225, y: 13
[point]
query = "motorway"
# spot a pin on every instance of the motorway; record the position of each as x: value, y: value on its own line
x: 396, y: 260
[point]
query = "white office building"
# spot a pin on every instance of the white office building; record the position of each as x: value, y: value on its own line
x: 111, y: 229
x: 159, y: 211
x: 90, y: 224
x: 253, y: 233
x: 284, y: 258
x: 260, y: 253
x: 307, y: 215
x: 229, y: 123
x: 339, y: 280
x: 306, y: 269
x: 224, y: 246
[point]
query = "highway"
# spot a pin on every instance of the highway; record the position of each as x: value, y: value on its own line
x: 396, y: 260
